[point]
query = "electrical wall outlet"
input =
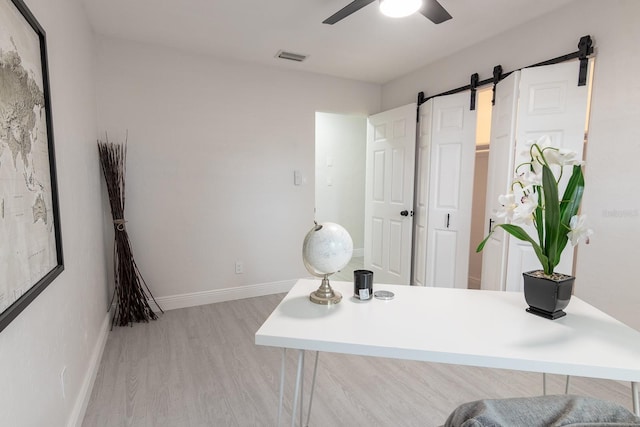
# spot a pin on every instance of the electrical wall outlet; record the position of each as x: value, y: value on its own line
x: 239, y: 267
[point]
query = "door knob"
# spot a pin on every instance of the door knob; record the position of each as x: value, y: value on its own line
x: 404, y: 213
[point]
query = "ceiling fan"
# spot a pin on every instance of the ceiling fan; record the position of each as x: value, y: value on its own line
x: 429, y: 8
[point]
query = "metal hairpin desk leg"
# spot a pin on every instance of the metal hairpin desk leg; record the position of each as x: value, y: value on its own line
x: 298, y: 395
x: 544, y: 384
x: 636, y: 399
x: 302, y: 388
x: 313, y: 387
x: 282, y: 371
x: 298, y: 388
x: 296, y: 392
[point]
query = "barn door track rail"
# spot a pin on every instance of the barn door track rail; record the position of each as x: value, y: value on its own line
x: 585, y: 50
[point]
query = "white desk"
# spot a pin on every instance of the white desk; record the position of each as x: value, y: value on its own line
x: 456, y: 326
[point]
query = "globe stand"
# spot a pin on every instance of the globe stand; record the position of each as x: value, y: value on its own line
x: 324, y: 294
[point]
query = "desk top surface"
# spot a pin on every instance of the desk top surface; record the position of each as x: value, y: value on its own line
x: 458, y: 326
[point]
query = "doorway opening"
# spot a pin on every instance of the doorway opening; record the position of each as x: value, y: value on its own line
x: 340, y: 147
x: 483, y: 137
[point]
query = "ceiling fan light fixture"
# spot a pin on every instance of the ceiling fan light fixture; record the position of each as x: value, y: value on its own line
x: 399, y: 8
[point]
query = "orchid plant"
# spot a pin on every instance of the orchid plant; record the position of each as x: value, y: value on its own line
x: 534, y: 199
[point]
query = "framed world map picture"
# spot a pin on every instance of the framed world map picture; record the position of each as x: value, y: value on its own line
x: 30, y: 239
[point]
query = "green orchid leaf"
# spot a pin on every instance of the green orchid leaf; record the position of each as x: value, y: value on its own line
x: 484, y: 242
x: 572, y: 195
x: 538, y: 219
x: 551, y: 216
x: 569, y: 207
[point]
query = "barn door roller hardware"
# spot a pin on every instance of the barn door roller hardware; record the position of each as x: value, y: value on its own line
x: 585, y: 46
x: 497, y: 76
x: 475, y: 78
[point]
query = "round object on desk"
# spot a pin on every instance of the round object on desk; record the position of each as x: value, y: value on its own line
x: 327, y: 248
x: 385, y: 295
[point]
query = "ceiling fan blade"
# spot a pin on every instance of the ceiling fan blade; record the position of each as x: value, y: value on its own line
x: 434, y: 11
x: 354, y: 6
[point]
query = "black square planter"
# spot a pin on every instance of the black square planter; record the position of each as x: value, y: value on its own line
x: 547, y: 297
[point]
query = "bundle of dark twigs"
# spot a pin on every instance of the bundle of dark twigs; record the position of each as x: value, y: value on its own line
x: 132, y: 299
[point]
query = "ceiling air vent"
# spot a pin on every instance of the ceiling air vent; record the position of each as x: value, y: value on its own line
x: 291, y: 56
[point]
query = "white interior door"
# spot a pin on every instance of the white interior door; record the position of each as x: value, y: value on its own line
x: 391, y: 142
x: 450, y: 185
x: 499, y: 176
x: 423, y: 154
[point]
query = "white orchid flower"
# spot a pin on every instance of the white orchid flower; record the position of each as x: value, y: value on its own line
x: 579, y: 229
x: 542, y: 143
x: 562, y: 157
x: 523, y: 213
x: 507, y: 206
x: 529, y: 179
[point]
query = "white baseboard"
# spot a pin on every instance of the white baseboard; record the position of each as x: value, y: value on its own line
x: 82, y: 401
x: 358, y: 252
x: 173, y: 302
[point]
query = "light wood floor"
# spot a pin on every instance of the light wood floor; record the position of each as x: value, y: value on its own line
x: 200, y: 367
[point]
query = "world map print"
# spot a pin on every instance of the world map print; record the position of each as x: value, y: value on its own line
x: 27, y: 236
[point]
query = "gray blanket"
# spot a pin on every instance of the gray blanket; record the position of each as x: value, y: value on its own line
x: 542, y: 411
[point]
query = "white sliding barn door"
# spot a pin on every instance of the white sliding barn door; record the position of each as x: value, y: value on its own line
x: 499, y: 176
x: 450, y: 186
x: 422, y: 195
x: 551, y: 103
x: 391, y: 142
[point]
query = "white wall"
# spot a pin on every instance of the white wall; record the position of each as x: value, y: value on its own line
x: 341, y: 143
x: 212, y: 149
x: 606, y: 275
x: 64, y: 326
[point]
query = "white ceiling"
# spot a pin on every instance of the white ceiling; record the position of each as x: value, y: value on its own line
x: 364, y: 46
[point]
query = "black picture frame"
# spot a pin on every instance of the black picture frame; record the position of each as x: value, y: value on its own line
x: 44, y: 278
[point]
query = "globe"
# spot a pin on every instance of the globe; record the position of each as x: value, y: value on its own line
x: 327, y: 248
